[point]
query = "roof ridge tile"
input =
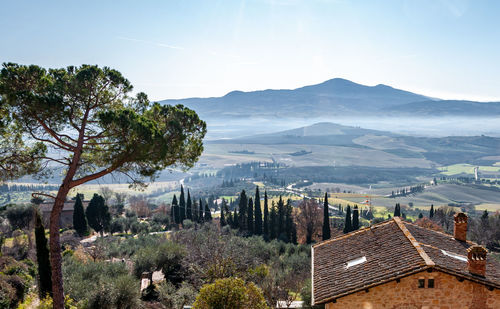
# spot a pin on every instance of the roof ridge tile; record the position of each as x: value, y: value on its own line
x: 428, y: 261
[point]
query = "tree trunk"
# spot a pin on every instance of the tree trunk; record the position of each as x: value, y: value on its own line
x: 55, y: 248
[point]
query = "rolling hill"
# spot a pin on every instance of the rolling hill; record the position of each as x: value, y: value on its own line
x: 324, y: 144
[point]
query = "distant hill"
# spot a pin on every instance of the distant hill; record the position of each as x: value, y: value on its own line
x: 335, y: 97
x: 324, y: 133
x: 448, y: 108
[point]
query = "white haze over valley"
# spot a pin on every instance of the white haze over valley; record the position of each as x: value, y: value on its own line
x: 432, y: 127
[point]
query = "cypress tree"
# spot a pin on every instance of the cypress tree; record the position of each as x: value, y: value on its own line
x: 182, y: 206
x: 222, y: 217
x: 266, y: 218
x: 258, y: 213
x: 326, y: 219
x: 294, y: 233
x: 208, y: 214
x: 281, y: 217
x: 200, y: 211
x: 242, y: 216
x: 289, y: 226
x: 355, y: 218
x: 189, y: 208
x: 347, y: 224
x: 79, y: 220
x: 229, y: 218
x: 196, y: 218
x: 250, y: 216
x: 97, y: 214
x: 273, y: 222
x: 431, y: 213
x: 174, y: 210
x: 236, y: 219
x: 397, y: 211
x: 42, y: 258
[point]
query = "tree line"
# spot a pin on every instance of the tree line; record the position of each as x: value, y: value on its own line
x: 275, y: 221
x: 189, y: 209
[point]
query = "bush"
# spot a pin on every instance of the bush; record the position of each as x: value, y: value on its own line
x: 176, y: 298
x: 167, y: 257
x: 15, y: 279
x: 100, y: 284
x: 230, y: 293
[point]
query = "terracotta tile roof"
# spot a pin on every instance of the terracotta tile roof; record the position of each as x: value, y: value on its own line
x: 434, y: 243
x: 392, y: 249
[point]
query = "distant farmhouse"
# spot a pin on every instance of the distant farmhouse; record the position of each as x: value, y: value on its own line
x: 66, y: 220
x: 396, y: 264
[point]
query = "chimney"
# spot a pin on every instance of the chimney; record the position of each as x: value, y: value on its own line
x: 476, y: 260
x: 460, y: 228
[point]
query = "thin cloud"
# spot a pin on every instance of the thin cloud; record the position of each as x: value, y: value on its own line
x: 151, y: 43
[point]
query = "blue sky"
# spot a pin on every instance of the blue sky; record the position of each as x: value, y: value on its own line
x: 176, y: 49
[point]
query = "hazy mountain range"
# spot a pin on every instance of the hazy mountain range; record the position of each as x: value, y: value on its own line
x: 335, y: 97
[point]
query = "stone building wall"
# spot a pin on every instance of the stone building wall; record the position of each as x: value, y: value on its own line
x: 448, y: 293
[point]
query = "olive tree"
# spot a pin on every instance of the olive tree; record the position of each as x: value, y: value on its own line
x: 83, y: 122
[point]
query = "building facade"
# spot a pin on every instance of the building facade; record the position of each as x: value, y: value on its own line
x: 396, y: 265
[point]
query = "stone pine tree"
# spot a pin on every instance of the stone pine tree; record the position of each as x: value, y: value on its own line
x: 189, y: 207
x: 84, y: 122
x: 326, y: 219
x: 208, y: 214
x: 273, y: 222
x: 397, y: 210
x: 174, y: 210
x: 347, y: 224
x: 257, y: 213
x: 42, y: 258
x: 98, y: 215
x: 182, y: 206
x: 222, y: 216
x: 250, y: 216
x: 266, y: 218
x: 242, y: 215
x: 355, y: 218
x: 79, y: 219
x: 431, y: 213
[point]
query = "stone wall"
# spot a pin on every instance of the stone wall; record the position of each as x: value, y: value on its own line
x: 448, y: 293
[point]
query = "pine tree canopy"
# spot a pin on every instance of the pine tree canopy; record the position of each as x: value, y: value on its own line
x: 93, y: 127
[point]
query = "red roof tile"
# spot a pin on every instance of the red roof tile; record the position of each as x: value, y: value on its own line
x: 392, y: 249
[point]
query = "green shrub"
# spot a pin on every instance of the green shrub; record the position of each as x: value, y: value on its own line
x: 230, y: 293
x: 100, y: 284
